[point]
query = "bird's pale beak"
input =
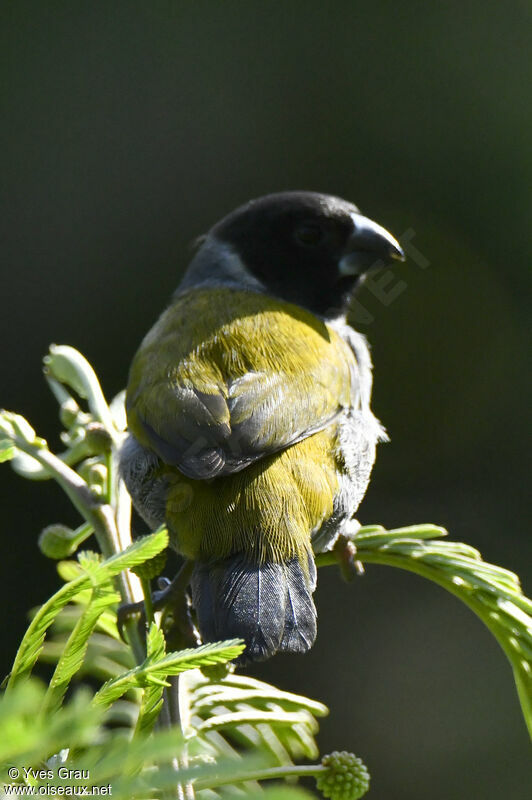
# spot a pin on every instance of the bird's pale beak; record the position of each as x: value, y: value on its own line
x: 370, y: 246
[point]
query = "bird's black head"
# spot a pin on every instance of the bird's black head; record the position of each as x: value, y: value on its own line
x: 308, y: 248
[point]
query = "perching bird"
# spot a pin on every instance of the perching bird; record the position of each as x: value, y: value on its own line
x: 250, y: 429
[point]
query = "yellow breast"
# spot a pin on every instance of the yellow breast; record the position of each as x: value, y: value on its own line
x: 268, y: 510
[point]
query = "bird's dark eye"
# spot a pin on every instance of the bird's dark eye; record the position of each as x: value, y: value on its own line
x: 309, y: 234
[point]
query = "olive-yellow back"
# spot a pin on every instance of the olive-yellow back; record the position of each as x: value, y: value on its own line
x: 253, y: 376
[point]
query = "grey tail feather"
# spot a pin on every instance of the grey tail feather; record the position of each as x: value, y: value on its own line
x: 268, y: 605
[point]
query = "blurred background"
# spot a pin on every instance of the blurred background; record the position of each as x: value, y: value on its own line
x: 129, y: 129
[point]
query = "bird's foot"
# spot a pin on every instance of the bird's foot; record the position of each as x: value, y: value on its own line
x: 177, y: 624
x: 125, y: 612
x: 345, y: 551
x: 172, y: 599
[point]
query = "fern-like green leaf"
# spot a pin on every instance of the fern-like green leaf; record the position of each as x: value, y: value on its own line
x: 75, y: 648
x: 157, y: 670
x: 239, y: 713
x: 28, y: 738
x: 152, y: 696
x: 96, y: 574
x: 8, y: 451
x: 75, y: 738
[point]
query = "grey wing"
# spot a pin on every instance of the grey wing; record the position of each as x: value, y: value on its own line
x: 239, y: 422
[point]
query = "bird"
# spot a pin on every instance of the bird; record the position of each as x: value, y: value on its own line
x: 250, y: 431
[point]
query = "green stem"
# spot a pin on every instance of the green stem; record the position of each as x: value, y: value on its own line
x: 75, y: 487
x: 184, y: 790
x: 81, y: 533
x: 272, y: 773
x: 148, y: 604
x: 118, y: 528
x: 67, y: 365
x: 176, y: 706
x: 111, y: 489
x: 99, y: 515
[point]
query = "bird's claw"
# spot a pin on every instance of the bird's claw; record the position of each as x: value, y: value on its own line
x: 125, y: 612
x: 345, y: 551
x: 171, y: 597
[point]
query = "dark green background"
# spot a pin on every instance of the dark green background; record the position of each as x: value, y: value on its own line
x: 129, y: 128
